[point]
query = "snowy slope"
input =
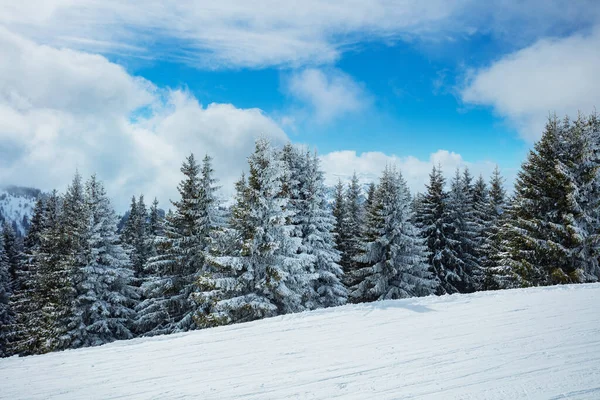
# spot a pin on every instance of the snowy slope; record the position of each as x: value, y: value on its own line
x: 16, y: 206
x: 541, y: 343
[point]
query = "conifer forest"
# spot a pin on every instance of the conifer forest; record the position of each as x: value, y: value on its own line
x: 79, y: 278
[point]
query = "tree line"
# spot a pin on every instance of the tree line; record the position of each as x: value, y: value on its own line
x: 74, y: 280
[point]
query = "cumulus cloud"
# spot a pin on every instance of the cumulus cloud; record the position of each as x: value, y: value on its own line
x: 369, y: 165
x: 552, y: 75
x: 241, y: 33
x: 62, y: 110
x: 329, y: 94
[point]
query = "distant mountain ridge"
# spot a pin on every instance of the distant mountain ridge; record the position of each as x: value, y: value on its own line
x: 16, y: 206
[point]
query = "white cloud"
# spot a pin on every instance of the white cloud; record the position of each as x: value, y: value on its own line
x: 329, y: 94
x: 369, y: 165
x: 241, y: 33
x: 62, y: 109
x: 552, y: 75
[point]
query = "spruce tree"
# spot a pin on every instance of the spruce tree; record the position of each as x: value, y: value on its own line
x: 182, y: 251
x: 462, y: 237
x: 103, y: 306
x: 316, y: 225
x: 23, y: 299
x: 53, y: 290
x: 395, y: 258
x: 135, y: 237
x: 341, y: 231
x: 261, y: 276
x: 433, y: 218
x: 540, y: 233
x: 6, y: 314
x: 494, y: 276
x: 12, y: 252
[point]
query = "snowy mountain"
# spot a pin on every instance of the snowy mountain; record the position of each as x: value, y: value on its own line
x: 16, y: 206
x: 537, y: 343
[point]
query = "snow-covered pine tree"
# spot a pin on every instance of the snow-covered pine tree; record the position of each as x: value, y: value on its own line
x: 349, y: 214
x: 53, y: 292
x: 22, y: 301
x: 396, y: 260
x: 10, y: 258
x: 355, y: 216
x: 436, y: 226
x: 6, y: 314
x: 579, y: 161
x: 261, y: 276
x: 135, y: 238
x: 75, y: 236
x: 461, y: 236
x: 316, y: 226
x: 12, y: 252
x: 103, y: 306
x: 182, y: 251
x: 155, y: 229
x: 539, y: 234
x: 588, y: 196
x: 340, y: 213
x: 128, y: 233
x: 493, y: 276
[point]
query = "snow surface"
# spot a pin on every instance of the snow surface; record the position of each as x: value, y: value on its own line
x: 540, y: 343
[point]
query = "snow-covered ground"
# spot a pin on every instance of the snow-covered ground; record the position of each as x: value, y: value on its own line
x: 541, y: 343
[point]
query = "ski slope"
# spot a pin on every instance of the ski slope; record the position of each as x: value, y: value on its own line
x: 540, y: 343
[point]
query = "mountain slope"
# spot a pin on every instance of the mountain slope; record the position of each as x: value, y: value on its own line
x: 539, y: 343
x: 16, y: 206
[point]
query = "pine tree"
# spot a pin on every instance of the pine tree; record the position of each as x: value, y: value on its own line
x: 6, y: 314
x: 395, y: 257
x: 75, y: 236
x: 22, y: 301
x: 261, y: 276
x: 587, y: 196
x: 436, y: 226
x: 462, y: 236
x: 494, y: 277
x: 316, y: 225
x: 340, y: 213
x: 135, y: 237
x: 540, y: 234
x: 155, y: 229
x: 168, y: 306
x: 355, y: 216
x: 129, y: 231
x: 12, y: 253
x: 103, y: 306
x: 53, y: 290
x: 349, y: 215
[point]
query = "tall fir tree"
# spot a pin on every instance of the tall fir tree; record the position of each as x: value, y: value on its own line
x: 316, y: 225
x: 461, y: 238
x: 396, y: 257
x: 104, y: 301
x: 23, y: 299
x: 494, y: 276
x: 53, y: 288
x: 182, y: 251
x: 262, y: 275
x: 434, y: 219
x: 341, y: 231
x: 6, y: 314
x: 539, y: 236
x: 12, y: 252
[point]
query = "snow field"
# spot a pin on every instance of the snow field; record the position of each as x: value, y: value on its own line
x: 539, y: 343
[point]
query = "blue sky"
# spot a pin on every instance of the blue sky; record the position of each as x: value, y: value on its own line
x: 126, y: 89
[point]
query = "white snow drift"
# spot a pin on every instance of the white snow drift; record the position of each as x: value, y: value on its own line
x: 541, y: 343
